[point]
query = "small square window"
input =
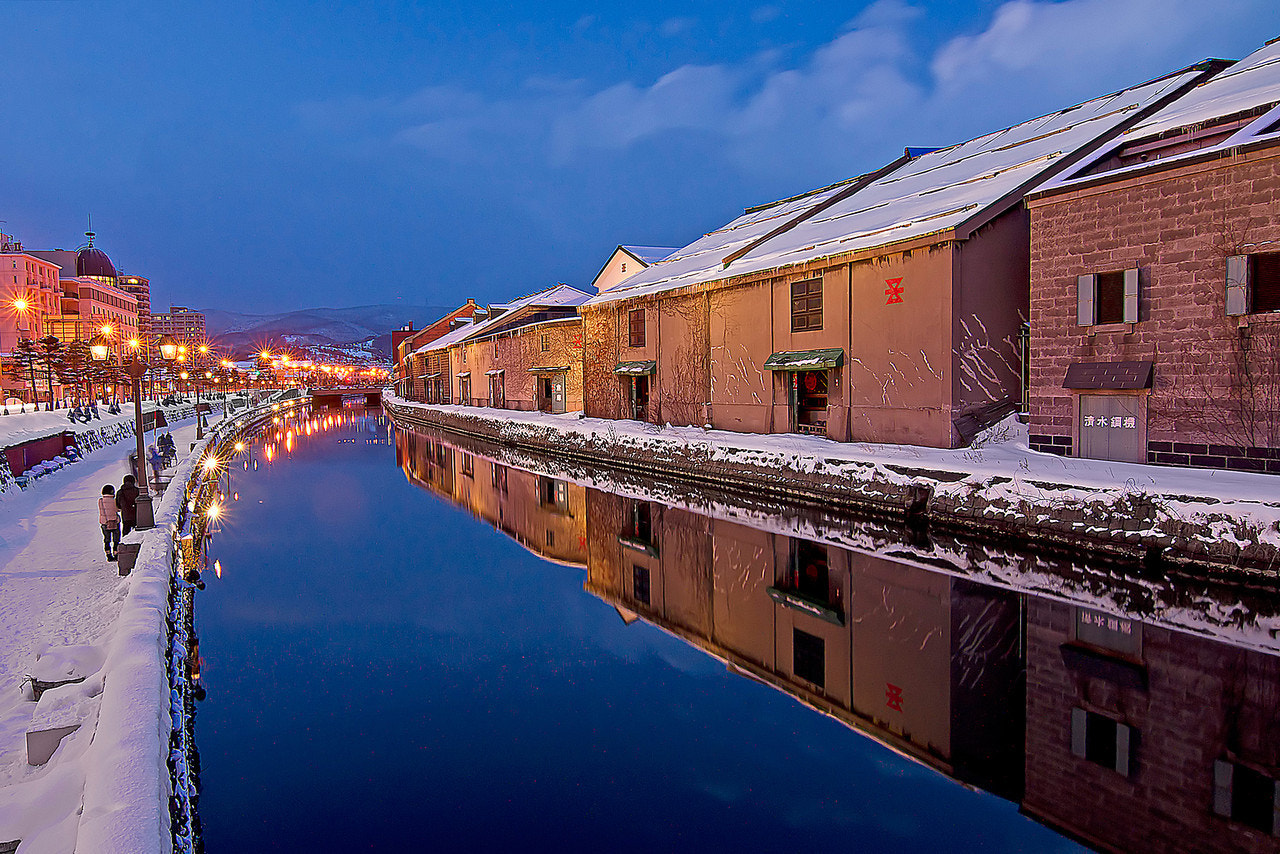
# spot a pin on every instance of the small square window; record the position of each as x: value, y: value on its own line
x: 1245, y: 795
x: 1110, y: 298
x: 640, y: 584
x: 1253, y: 283
x: 806, y: 305
x: 640, y: 525
x: 809, y: 657
x: 1103, y: 740
x: 635, y: 327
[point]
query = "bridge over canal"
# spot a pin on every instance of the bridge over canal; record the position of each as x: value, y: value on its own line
x: 335, y: 396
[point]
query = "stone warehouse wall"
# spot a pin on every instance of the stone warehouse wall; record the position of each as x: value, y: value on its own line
x: 1216, y: 395
x: 1189, y: 701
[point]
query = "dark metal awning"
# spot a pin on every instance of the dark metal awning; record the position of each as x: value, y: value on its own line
x: 804, y: 360
x: 1108, y: 376
x: 636, y: 369
x: 553, y: 369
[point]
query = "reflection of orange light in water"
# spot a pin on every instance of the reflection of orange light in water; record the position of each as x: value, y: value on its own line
x: 271, y: 453
x: 235, y: 496
x: 288, y: 443
x: 217, y: 568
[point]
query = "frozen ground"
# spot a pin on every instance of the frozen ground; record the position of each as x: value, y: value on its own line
x: 60, y: 602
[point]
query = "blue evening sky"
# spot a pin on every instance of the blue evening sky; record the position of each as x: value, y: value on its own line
x: 269, y: 156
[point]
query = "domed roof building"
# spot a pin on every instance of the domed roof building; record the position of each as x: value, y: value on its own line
x: 94, y: 263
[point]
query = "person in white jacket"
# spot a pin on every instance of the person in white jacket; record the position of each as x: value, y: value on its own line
x: 109, y: 518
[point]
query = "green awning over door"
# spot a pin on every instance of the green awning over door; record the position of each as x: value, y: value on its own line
x: 636, y: 369
x: 804, y: 360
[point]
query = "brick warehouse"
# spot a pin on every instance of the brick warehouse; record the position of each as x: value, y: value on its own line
x: 1155, y: 286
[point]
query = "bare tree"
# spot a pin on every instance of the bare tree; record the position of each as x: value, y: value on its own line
x: 1226, y: 386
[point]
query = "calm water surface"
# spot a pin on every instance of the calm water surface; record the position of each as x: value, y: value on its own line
x: 414, y: 646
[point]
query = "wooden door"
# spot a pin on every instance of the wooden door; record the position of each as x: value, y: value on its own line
x: 1109, y: 428
x: 557, y: 393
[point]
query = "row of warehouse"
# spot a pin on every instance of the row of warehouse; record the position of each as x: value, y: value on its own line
x: 1112, y: 270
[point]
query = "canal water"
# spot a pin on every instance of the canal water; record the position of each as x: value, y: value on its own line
x: 412, y: 641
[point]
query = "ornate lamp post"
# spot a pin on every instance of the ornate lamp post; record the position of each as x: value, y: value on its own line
x: 136, y: 369
x: 100, y: 351
x: 168, y: 348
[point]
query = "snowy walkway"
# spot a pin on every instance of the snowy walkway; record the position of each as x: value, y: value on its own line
x: 56, y: 590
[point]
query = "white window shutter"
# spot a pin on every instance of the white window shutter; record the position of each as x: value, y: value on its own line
x: 1079, y: 721
x: 1222, y: 774
x: 1123, y: 748
x: 1275, y: 806
x: 1237, y: 285
x: 1131, y: 295
x: 1086, y: 291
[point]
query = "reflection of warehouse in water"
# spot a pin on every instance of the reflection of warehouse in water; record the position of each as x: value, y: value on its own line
x: 545, y: 515
x: 929, y: 664
x: 1123, y: 734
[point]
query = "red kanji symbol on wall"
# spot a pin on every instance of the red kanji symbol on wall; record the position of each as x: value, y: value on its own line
x: 894, y: 291
x: 893, y: 696
x: 582, y: 543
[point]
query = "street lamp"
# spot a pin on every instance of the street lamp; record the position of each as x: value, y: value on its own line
x: 145, y: 515
x: 168, y: 348
x: 100, y: 351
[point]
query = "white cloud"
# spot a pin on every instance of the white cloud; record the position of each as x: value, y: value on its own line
x: 874, y: 87
x: 765, y: 14
x: 672, y: 27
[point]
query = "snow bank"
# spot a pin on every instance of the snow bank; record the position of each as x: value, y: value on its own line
x: 126, y: 790
x: 127, y: 782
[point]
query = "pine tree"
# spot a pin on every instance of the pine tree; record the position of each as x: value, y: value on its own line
x: 51, y: 352
x: 76, y: 367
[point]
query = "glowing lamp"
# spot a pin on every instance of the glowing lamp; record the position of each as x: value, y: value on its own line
x: 168, y: 348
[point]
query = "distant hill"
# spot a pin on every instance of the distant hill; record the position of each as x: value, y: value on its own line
x: 368, y: 326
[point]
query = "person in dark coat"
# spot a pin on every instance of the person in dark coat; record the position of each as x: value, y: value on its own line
x: 127, y: 501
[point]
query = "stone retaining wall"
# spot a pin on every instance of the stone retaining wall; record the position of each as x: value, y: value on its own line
x: 1130, y: 526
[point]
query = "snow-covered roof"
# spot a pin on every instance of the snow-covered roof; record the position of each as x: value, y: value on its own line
x: 560, y: 295
x: 1248, y: 84
x: 454, y: 334
x: 695, y: 261
x: 649, y: 254
x: 919, y: 195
